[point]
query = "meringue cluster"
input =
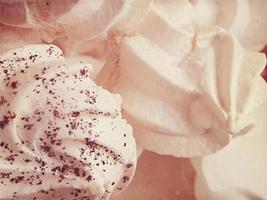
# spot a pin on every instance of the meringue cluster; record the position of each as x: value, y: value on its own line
x: 186, y: 74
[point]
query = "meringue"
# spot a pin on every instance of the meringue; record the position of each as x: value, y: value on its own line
x: 244, y: 19
x: 62, y: 136
x: 239, y: 170
x: 11, y: 37
x: 77, y: 26
x: 185, y: 86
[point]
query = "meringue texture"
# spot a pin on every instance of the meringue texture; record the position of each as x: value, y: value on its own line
x: 62, y: 136
x: 187, y: 75
x: 239, y: 170
x: 185, y: 86
x: 244, y: 19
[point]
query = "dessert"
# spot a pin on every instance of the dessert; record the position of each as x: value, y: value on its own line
x: 11, y: 37
x: 191, y: 107
x: 77, y: 26
x: 189, y: 87
x: 238, y: 171
x: 244, y: 19
x: 185, y: 86
x: 62, y: 136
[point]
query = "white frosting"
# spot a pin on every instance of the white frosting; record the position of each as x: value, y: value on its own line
x: 185, y: 87
x: 62, y: 137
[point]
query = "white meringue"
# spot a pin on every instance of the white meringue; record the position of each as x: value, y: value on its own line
x: 77, y: 26
x: 185, y: 86
x: 239, y: 170
x: 188, y: 103
x: 62, y: 136
x: 244, y: 19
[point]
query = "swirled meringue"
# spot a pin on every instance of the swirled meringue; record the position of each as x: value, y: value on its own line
x: 185, y: 86
x: 245, y: 19
x: 61, y: 136
x: 239, y: 170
